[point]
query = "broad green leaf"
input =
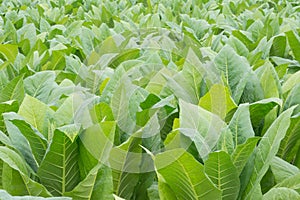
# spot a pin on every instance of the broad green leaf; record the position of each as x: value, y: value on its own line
x: 66, y: 112
x: 281, y: 193
x: 253, y: 90
x: 292, y: 182
x: 125, y: 103
x: 294, y: 42
x: 8, y: 106
x: 57, y: 59
x: 290, y: 144
x: 258, y: 110
x: 239, y: 46
x: 266, y: 151
x: 293, y: 98
x: 235, y: 69
x: 27, y: 31
x: 59, y: 171
x: 282, y: 169
x: 97, y: 185
x: 186, y: 84
x: 40, y: 85
x: 102, y: 112
x: 15, y: 175
x: 133, y: 170
x: 201, y: 126
x: 37, y: 141
x: 221, y: 171
x: 19, y: 141
x: 103, y: 187
x: 36, y: 113
x: 240, y: 125
x: 183, y: 176
x: 290, y: 83
x: 112, y: 85
x: 279, y: 46
x: 158, y: 82
x: 217, y: 101
x: 269, y: 80
x: 242, y: 153
x: 125, y: 161
x: 103, y: 183
x: 99, y: 139
x: 225, y: 142
x: 165, y: 192
x: 14, y: 90
x: 9, y: 51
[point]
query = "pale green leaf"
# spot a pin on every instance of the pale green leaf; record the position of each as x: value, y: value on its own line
x: 184, y: 176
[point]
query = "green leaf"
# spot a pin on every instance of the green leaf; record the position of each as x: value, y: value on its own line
x: 269, y: 80
x: 235, y: 69
x: 125, y: 104
x: 281, y: 193
x: 66, y: 112
x: 242, y: 153
x: 290, y: 144
x: 279, y: 46
x: 153, y: 192
x: 15, y: 175
x: 240, y: 125
x: 294, y: 43
x: 98, y: 140
x: 19, y: 141
x: 292, y: 182
x: 8, y: 106
x: 266, y: 150
x: 96, y: 185
x: 59, y: 171
x: 293, y: 98
x: 201, y: 126
x: 40, y: 85
x: 282, y: 169
x: 221, y: 171
x: 9, y: 51
x: 258, y: 110
x: 36, y: 140
x: 125, y: 160
x: 183, y: 176
x: 36, y: 113
x: 14, y: 90
x: 218, y: 101
x: 290, y: 83
x: 186, y: 84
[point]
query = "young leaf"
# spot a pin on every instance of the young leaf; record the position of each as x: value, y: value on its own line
x: 281, y: 193
x: 36, y: 113
x: 14, y: 90
x: 242, y: 153
x: 294, y: 43
x: 218, y: 101
x: 201, y: 126
x: 240, y: 125
x: 235, y: 69
x: 15, y: 171
x: 267, y: 150
x: 183, y: 176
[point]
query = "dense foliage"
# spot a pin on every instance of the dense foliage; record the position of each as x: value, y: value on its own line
x: 147, y: 100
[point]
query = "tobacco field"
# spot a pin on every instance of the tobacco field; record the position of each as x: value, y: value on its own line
x: 150, y: 99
